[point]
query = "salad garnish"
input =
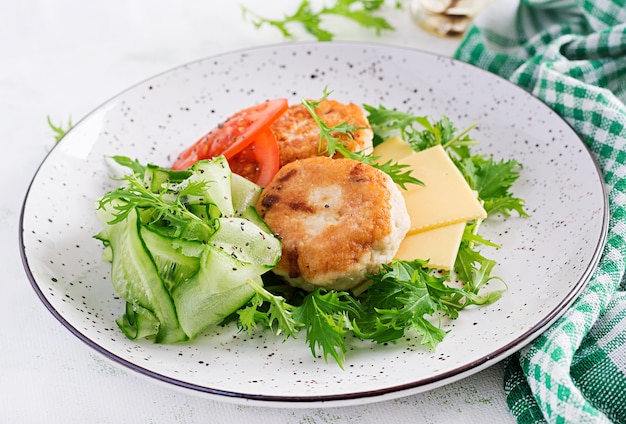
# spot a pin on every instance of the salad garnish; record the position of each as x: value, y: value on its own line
x: 398, y: 173
x: 361, y: 12
x: 59, y: 130
x: 185, y: 227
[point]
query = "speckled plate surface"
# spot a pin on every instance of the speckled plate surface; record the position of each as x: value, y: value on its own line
x: 545, y: 259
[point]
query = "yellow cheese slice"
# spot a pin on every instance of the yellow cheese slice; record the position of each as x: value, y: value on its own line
x: 439, y: 210
x: 439, y: 246
x: 393, y: 149
x: 445, y: 198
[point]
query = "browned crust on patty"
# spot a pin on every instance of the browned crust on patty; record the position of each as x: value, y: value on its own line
x: 298, y: 134
x: 330, y: 215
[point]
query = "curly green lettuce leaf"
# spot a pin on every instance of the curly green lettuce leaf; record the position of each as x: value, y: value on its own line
x: 361, y: 12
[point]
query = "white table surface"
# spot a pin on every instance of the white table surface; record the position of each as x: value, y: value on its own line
x: 62, y: 59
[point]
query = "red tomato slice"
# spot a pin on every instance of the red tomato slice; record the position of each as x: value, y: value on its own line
x: 233, y: 135
x: 258, y: 162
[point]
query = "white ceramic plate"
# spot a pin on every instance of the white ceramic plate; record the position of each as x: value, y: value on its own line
x: 545, y: 259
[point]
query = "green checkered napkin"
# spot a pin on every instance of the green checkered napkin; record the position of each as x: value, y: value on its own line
x: 572, y: 55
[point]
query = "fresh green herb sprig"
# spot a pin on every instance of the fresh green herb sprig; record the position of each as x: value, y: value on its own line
x: 136, y: 195
x: 268, y: 311
x: 329, y: 136
x: 402, y: 298
x: 167, y: 205
x: 325, y: 316
x: 362, y: 12
x: 418, y: 131
x: 59, y: 130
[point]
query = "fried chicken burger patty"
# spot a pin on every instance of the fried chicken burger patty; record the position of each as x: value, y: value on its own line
x: 339, y: 220
x: 298, y: 134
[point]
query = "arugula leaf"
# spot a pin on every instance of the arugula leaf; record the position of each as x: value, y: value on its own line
x: 270, y: 311
x: 327, y: 317
x: 418, y: 131
x: 408, y: 296
x: 493, y: 181
x: 324, y: 315
x: 471, y: 266
x: 359, y: 11
x: 388, y: 122
x: 329, y: 136
x: 59, y: 131
x: 163, y: 208
x: 363, y: 15
x: 399, y: 300
x: 304, y: 15
x: 134, y: 165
